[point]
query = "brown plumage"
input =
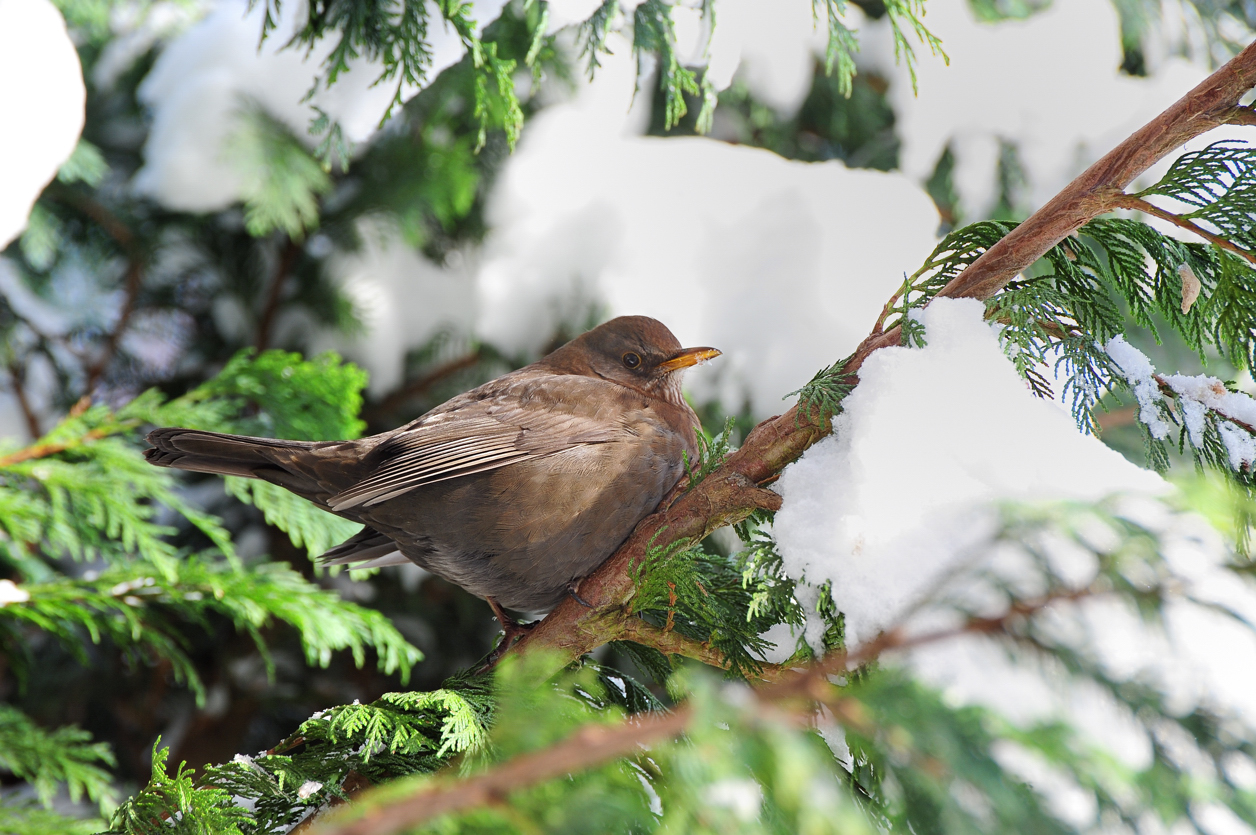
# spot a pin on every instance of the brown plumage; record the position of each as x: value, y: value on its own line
x: 514, y: 490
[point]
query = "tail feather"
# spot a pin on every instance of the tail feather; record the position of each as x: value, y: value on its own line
x: 214, y: 452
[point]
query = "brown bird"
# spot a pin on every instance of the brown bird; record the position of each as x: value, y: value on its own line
x: 515, y: 490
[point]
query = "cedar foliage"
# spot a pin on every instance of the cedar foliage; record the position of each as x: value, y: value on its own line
x: 120, y: 566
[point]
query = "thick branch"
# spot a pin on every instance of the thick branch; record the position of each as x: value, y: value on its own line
x: 1101, y: 187
x: 731, y: 492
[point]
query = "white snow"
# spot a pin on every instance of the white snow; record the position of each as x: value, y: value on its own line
x: 204, y: 77
x: 10, y: 592
x: 1138, y: 371
x: 403, y: 300
x: 42, y: 99
x: 929, y: 438
x: 782, y: 265
x: 896, y: 510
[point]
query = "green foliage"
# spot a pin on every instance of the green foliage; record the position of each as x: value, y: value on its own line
x: 397, y: 735
x: 703, y: 595
x: 654, y: 33
x: 19, y: 818
x: 397, y: 38
x: 282, y: 182
x: 84, y: 492
x: 821, y: 398
x: 175, y: 803
x: 711, y: 452
x: 294, y: 397
x: 145, y: 613
x: 50, y: 759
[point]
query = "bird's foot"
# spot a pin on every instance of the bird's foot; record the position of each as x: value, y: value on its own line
x: 512, y: 630
x: 573, y: 590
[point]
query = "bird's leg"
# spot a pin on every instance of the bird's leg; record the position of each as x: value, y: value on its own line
x: 573, y: 590
x: 512, y: 629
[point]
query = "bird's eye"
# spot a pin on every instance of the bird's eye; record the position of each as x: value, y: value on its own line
x: 632, y: 359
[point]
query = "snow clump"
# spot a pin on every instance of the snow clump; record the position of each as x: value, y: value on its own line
x: 42, y: 101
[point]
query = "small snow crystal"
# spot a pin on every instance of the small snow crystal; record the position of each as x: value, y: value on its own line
x: 308, y: 788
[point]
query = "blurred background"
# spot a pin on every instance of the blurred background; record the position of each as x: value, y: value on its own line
x: 192, y: 215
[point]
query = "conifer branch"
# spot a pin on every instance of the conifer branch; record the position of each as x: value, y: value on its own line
x: 671, y: 642
x: 48, y: 448
x: 791, y: 698
x: 1146, y: 207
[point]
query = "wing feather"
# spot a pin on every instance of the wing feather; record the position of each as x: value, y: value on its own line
x: 475, y: 438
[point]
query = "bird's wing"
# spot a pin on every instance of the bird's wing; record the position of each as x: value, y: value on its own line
x: 477, y: 437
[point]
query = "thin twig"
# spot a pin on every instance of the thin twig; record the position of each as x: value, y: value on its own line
x: 671, y: 642
x: 23, y: 401
x: 1141, y: 205
x: 126, y: 240
x: 274, y: 295
x: 35, y: 451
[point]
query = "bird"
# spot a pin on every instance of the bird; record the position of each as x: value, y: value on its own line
x: 515, y: 490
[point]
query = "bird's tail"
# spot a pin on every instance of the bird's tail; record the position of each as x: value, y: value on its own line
x: 215, y: 452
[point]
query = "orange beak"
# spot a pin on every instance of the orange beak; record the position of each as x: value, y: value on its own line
x: 687, y: 358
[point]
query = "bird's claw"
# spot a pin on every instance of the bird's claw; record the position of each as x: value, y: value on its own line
x: 573, y: 589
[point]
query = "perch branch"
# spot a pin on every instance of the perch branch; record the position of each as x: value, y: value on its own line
x: 732, y: 491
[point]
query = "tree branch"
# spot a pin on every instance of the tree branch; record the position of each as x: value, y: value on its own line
x: 122, y: 235
x: 732, y: 491
x: 1141, y: 205
x: 23, y: 402
x: 274, y: 295
x: 398, y: 398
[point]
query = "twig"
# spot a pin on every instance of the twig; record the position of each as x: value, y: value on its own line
x: 671, y: 642
x: 1141, y: 205
x: 287, y: 260
x: 28, y: 411
x: 99, y: 214
x: 35, y: 451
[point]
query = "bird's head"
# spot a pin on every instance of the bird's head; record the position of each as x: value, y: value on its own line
x: 633, y: 351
